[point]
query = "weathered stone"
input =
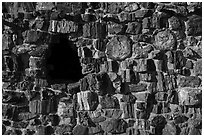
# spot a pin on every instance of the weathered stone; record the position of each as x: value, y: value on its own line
x: 109, y: 102
x: 140, y: 51
x: 160, y: 81
x: 142, y: 13
x: 128, y: 110
x: 141, y: 96
x: 134, y: 28
x: 114, y: 28
x: 87, y: 100
x: 20, y: 124
x: 179, y: 60
x: 114, y: 126
x: 138, y: 87
x: 95, y: 130
x: 131, y: 7
x: 7, y: 42
x: 63, y: 130
x: 198, y: 68
x: 140, y: 114
x: 161, y: 96
x: 189, y: 96
x: 194, y: 25
x: 44, y: 6
x: 190, y: 81
x: 174, y: 23
x: 189, y: 65
x: 142, y: 124
x: 165, y: 40
x: 170, y: 129
x: 118, y: 48
x: 80, y: 130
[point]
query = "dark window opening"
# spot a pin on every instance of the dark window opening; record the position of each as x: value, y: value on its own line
x: 62, y: 62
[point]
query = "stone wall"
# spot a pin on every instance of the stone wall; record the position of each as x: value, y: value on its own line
x: 141, y: 66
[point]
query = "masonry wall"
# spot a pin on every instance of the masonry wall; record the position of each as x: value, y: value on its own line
x: 141, y: 66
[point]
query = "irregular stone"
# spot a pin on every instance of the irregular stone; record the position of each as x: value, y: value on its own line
x: 134, y: 28
x: 141, y: 114
x: 141, y: 51
x: 118, y: 48
x: 194, y: 25
x: 170, y: 129
x: 7, y: 42
x: 198, y: 68
x: 158, y: 120
x: 142, y: 13
x: 44, y: 6
x: 165, y: 40
x: 179, y: 60
x: 180, y: 119
x: 63, y: 130
x: 131, y: 7
x: 87, y: 100
x: 98, y: 119
x: 160, y: 81
x: 109, y: 102
x: 95, y: 130
x: 161, y: 96
x: 128, y: 110
x: 141, y: 96
x: 142, y: 124
x: 189, y: 81
x: 189, y: 96
x: 80, y: 130
x: 189, y: 65
x: 114, y: 28
x: 21, y: 124
x: 148, y: 77
x: 66, y: 26
x: 146, y: 23
x: 174, y: 23
x: 114, y: 126
x: 138, y: 87
x: 141, y: 105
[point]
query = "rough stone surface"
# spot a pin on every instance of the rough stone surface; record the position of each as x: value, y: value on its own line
x: 138, y: 68
x: 118, y: 48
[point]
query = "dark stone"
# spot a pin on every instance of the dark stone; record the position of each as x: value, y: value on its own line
x: 141, y: 114
x: 95, y: 130
x: 114, y: 126
x: 54, y: 119
x: 6, y: 122
x: 109, y: 102
x: 98, y: 119
x: 138, y: 87
x: 114, y: 28
x: 134, y: 28
x: 174, y: 23
x: 63, y: 130
x: 3, y: 129
x: 180, y: 119
x: 179, y: 60
x: 194, y: 25
x: 22, y: 124
x: 140, y: 51
x: 80, y: 130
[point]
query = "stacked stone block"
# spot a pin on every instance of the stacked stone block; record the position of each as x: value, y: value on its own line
x: 141, y: 63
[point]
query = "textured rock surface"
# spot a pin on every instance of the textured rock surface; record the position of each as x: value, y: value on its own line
x: 140, y: 68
